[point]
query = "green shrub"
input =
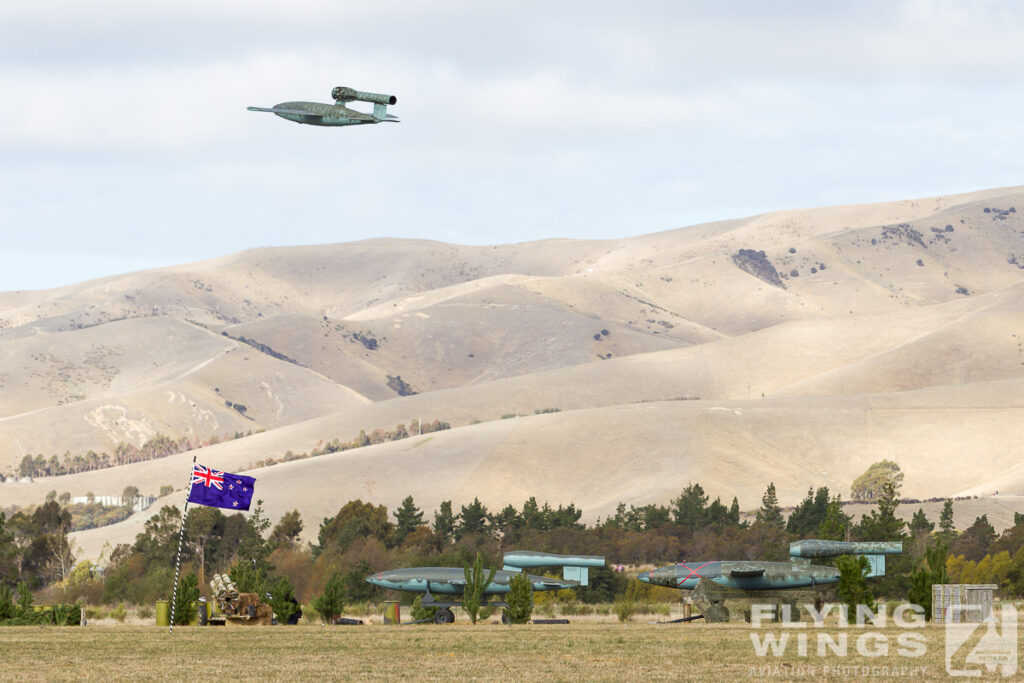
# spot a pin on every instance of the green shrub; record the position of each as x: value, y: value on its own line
x: 120, y: 612
x: 247, y: 579
x: 853, y: 587
x: 477, y: 579
x: 24, y: 598
x: 624, y: 609
x: 520, y: 599
x: 96, y: 612
x: 144, y: 612
x: 629, y: 604
x: 331, y: 604
x: 184, y: 604
x: 67, y: 615
x: 7, y: 608
x: 421, y: 613
x: 282, y: 598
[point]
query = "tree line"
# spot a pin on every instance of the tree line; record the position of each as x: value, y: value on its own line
x: 363, y: 538
x: 375, y: 437
x: 159, y: 446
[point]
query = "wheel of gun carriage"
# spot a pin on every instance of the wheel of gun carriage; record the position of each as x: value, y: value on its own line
x: 444, y: 616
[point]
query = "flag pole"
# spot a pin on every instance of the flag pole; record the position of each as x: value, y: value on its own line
x: 181, y: 538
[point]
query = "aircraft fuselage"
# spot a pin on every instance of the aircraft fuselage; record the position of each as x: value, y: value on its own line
x: 452, y: 580
x: 321, y: 114
x: 742, y: 575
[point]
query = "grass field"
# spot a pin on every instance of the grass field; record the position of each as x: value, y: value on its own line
x: 587, y: 651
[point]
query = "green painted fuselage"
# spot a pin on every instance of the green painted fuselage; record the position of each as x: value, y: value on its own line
x: 742, y: 575
x: 320, y: 114
x: 452, y: 581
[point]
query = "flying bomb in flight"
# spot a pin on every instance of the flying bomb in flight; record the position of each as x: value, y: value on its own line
x: 337, y: 114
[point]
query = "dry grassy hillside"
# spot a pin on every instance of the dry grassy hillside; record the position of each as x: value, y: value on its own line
x: 808, y: 344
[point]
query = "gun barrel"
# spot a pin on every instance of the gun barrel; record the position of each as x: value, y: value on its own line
x: 345, y: 94
x: 817, y: 548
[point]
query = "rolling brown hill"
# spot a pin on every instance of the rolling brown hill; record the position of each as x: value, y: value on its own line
x: 796, y: 347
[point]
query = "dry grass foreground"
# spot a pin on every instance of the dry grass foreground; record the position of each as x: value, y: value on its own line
x: 574, y: 652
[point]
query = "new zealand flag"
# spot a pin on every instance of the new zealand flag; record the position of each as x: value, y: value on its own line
x: 220, y: 489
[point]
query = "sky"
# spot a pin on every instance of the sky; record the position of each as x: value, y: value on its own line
x: 125, y: 143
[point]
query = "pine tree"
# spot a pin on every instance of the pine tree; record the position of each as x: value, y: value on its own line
x: 734, y: 512
x: 444, y: 521
x: 883, y: 524
x: 408, y: 518
x: 920, y: 525
x: 252, y: 547
x: 533, y: 516
x: 689, y: 510
x: 946, y: 519
x: 836, y: 522
x: 507, y: 524
x: 809, y: 514
x: 472, y: 519
x: 770, y: 512
x: 717, y: 514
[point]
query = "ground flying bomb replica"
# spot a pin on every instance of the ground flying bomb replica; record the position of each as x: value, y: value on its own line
x: 337, y: 114
x: 713, y: 582
x: 443, y: 581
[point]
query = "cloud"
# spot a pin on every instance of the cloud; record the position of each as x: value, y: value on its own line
x: 126, y: 131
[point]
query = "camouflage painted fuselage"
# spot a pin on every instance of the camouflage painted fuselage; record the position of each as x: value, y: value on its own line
x: 321, y: 114
x: 452, y: 580
x: 742, y: 575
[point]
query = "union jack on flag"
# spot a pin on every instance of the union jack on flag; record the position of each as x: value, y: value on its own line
x: 220, y: 489
x: 207, y: 477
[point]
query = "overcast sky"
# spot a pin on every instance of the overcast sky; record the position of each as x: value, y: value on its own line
x: 125, y: 143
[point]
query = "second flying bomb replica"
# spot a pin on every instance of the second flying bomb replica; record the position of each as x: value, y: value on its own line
x: 710, y: 581
x: 337, y: 114
x: 452, y: 580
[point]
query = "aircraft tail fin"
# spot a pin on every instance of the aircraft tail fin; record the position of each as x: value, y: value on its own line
x: 876, y: 565
x: 574, y: 567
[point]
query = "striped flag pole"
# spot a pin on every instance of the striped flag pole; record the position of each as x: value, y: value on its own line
x: 181, y: 538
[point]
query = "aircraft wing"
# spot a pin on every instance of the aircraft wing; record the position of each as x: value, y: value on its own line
x: 284, y: 111
x: 747, y: 570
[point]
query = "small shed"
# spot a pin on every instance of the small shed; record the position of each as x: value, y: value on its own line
x: 970, y: 602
